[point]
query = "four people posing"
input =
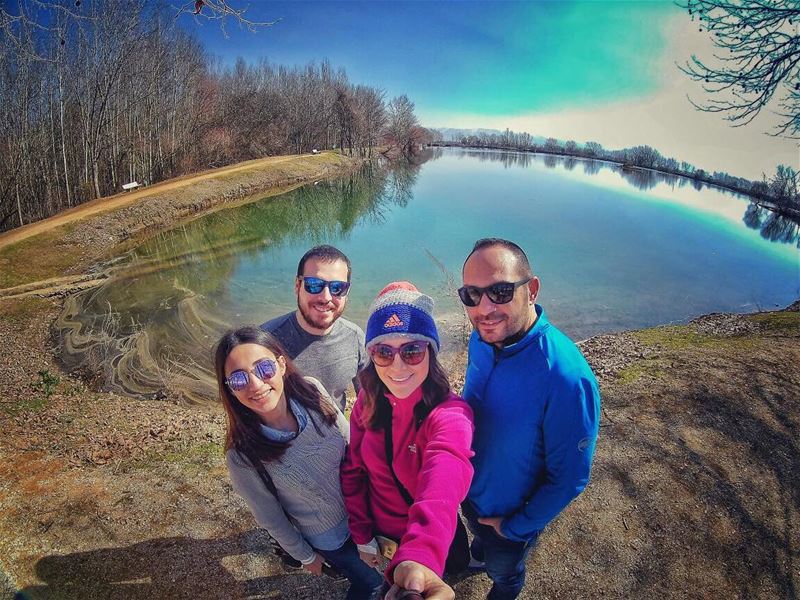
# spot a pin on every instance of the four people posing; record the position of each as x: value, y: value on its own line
x: 411, y: 455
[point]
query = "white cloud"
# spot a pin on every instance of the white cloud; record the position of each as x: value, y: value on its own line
x: 665, y: 120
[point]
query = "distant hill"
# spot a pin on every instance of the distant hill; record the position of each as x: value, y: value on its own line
x: 452, y: 134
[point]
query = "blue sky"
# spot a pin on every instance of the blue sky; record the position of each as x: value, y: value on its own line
x: 603, y: 71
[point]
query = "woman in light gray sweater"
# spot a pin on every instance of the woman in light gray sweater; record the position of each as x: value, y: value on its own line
x: 284, y: 446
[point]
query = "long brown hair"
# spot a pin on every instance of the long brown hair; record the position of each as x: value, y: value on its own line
x: 243, y: 424
x: 375, y: 406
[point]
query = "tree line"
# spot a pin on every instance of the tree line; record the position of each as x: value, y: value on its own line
x: 98, y: 94
x: 780, y: 189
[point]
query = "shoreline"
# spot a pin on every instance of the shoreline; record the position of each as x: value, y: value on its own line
x: 102, y: 494
x: 764, y: 202
x: 86, y: 235
x: 123, y: 199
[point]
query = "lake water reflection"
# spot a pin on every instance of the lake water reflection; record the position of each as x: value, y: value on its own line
x: 614, y: 250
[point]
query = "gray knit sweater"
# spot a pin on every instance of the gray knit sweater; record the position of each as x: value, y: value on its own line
x: 333, y: 358
x: 307, y: 480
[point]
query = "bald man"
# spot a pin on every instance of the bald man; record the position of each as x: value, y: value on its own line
x: 537, y: 409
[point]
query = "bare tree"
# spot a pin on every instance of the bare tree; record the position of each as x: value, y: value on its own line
x: 18, y: 19
x: 757, y: 58
x: 347, y: 116
x: 783, y: 187
x: 402, y: 124
x: 593, y: 149
x: 96, y: 94
x: 552, y: 145
x: 373, y: 111
x: 222, y: 11
x: 643, y: 156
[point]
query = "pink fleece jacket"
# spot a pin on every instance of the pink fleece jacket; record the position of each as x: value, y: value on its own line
x: 434, y: 466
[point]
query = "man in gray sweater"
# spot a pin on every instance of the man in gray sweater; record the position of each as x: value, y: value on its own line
x: 316, y: 338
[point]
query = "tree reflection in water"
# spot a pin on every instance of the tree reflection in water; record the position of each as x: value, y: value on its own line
x: 591, y: 167
x: 149, y: 329
x: 550, y: 161
x: 640, y: 178
x: 773, y: 226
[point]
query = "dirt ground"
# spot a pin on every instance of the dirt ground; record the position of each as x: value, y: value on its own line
x: 695, y: 490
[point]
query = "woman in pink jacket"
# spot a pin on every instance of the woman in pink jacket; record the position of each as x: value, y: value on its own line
x: 408, y: 467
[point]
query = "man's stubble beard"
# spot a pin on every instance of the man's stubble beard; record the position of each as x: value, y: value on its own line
x: 314, y: 319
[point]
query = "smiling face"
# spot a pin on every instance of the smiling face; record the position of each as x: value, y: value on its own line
x: 400, y: 378
x: 496, y: 322
x: 318, y: 312
x: 265, y: 398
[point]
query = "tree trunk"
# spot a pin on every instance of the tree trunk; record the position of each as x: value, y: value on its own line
x: 19, y: 206
x: 63, y: 136
x: 53, y: 152
x: 96, y: 177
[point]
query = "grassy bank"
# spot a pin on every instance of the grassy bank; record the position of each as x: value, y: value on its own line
x: 66, y: 245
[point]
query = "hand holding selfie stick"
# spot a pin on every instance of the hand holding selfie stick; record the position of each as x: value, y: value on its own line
x: 408, y: 595
x: 415, y: 581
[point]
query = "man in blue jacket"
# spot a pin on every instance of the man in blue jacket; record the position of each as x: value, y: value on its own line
x: 537, y: 412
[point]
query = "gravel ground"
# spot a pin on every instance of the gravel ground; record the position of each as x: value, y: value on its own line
x: 104, y: 496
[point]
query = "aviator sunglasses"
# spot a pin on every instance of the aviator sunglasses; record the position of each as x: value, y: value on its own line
x: 410, y: 353
x: 315, y: 285
x: 499, y: 293
x: 264, y: 369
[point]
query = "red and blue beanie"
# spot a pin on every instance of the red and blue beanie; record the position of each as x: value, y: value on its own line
x: 401, y: 309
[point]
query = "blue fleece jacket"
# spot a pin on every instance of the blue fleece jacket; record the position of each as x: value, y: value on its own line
x: 537, y: 414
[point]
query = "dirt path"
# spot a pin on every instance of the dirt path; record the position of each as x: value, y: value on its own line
x: 121, y: 200
x: 77, y: 240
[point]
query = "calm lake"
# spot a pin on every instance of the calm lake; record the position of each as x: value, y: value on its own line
x: 614, y: 250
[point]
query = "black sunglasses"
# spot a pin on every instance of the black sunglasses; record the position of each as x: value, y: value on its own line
x: 315, y: 285
x: 499, y: 293
x: 264, y: 369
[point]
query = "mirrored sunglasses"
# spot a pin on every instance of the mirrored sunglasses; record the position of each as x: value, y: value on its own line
x: 264, y: 369
x: 410, y: 353
x: 315, y: 285
x: 499, y: 293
